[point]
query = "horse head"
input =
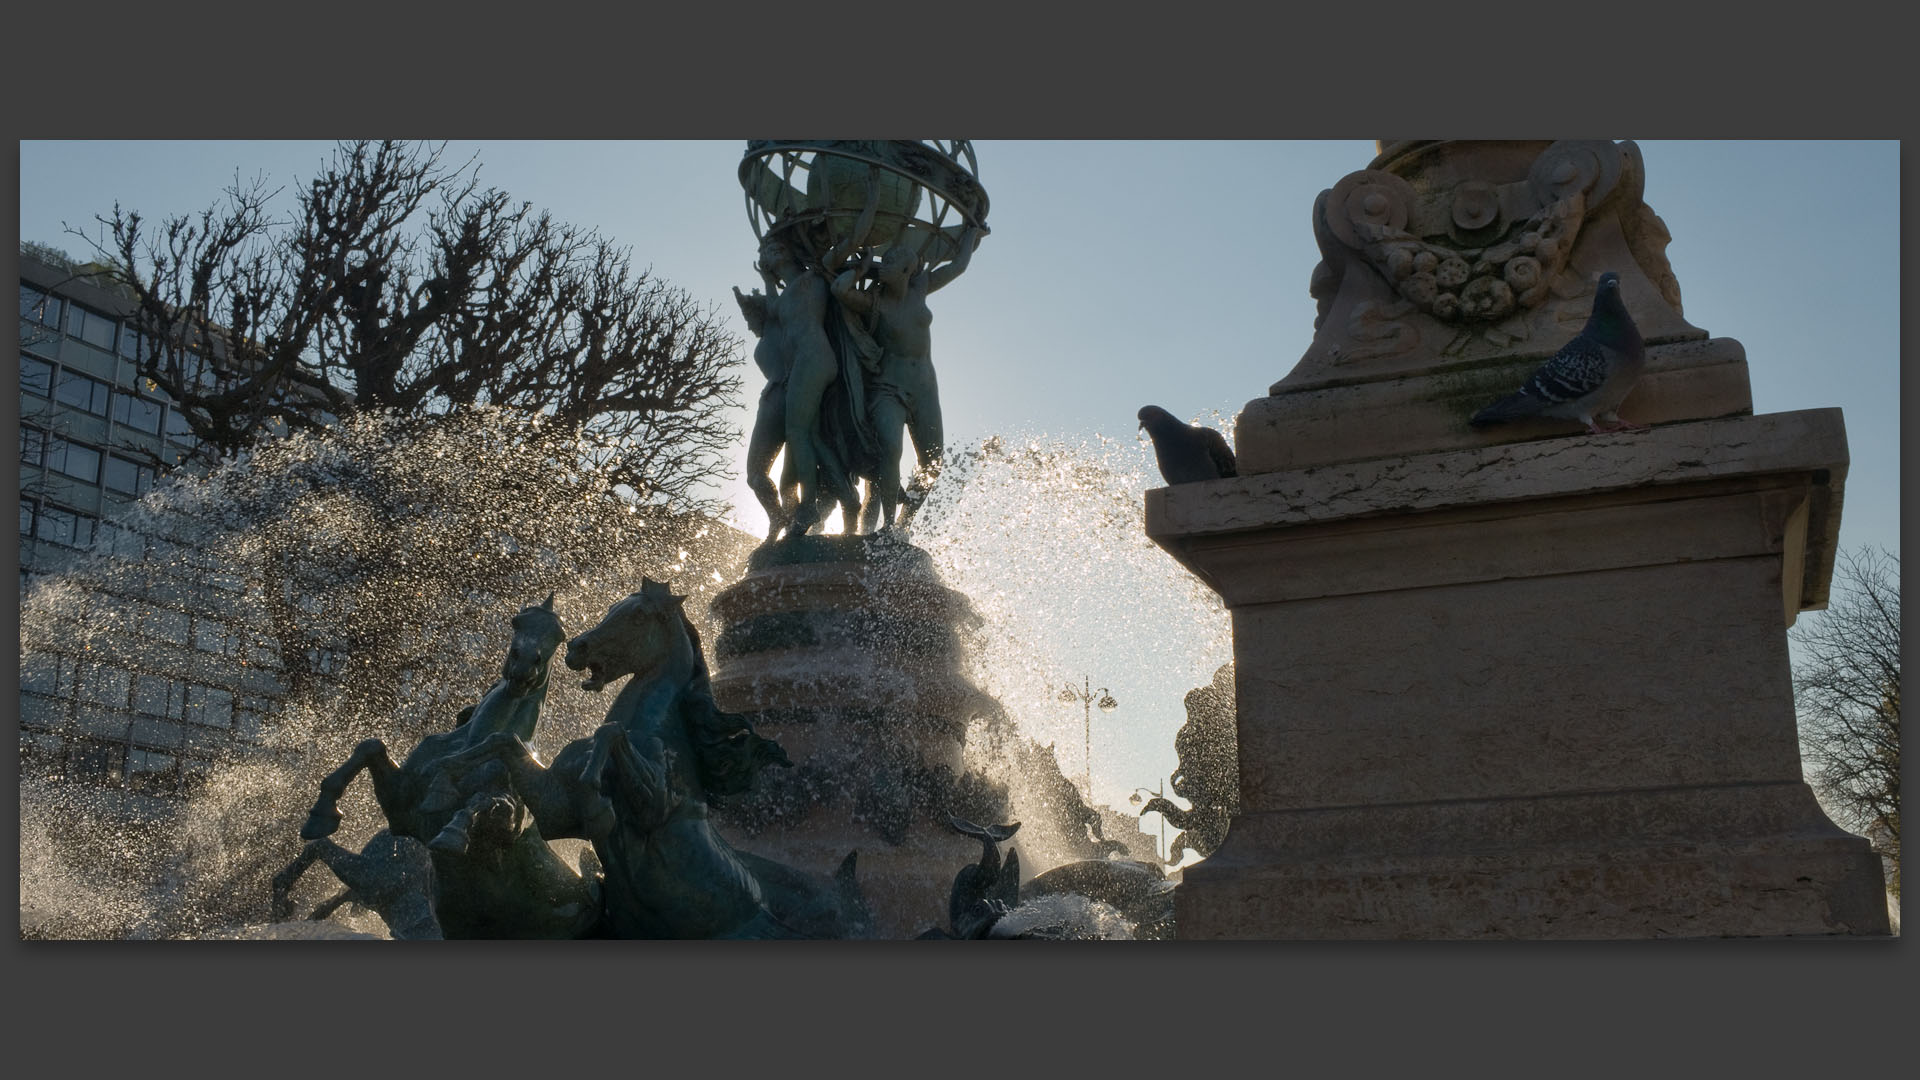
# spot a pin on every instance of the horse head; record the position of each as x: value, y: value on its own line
x: 537, y: 634
x: 641, y: 634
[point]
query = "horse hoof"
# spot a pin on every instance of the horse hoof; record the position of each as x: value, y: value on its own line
x: 320, y: 823
x: 281, y: 908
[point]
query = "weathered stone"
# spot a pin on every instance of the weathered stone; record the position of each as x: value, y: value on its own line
x: 1449, y: 269
x: 1532, y: 690
x: 1756, y: 860
x: 1295, y: 430
x: 1350, y: 511
x: 1514, y: 682
x: 845, y: 648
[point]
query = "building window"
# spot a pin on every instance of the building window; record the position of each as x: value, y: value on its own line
x: 33, y: 446
x: 209, y: 635
x: 136, y: 412
x: 91, y: 327
x: 77, y: 460
x: 131, y: 343
x: 166, y: 623
x: 152, y: 774
x: 39, y: 307
x: 210, y: 706
x: 81, y: 392
x: 36, y: 376
x: 90, y: 758
x: 40, y: 673
x: 105, y: 685
x: 157, y: 695
x: 198, y: 371
x: 67, y: 527
x: 118, y: 539
x: 123, y: 476
x: 26, y: 519
x: 179, y: 432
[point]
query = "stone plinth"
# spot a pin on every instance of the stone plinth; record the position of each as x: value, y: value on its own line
x: 1534, y: 689
x: 1449, y: 270
x: 847, y: 651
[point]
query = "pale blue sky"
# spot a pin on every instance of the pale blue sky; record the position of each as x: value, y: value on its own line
x: 1123, y: 273
x: 1175, y: 272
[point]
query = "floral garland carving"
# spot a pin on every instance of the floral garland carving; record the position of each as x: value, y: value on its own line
x: 1477, y: 284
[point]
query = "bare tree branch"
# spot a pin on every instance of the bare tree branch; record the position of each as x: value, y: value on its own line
x: 401, y: 285
x: 1847, y: 690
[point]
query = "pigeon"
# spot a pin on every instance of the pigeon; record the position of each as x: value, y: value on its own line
x: 1186, y: 452
x: 1590, y: 375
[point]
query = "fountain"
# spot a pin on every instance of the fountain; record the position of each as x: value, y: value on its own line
x: 848, y: 648
x: 856, y: 742
x: 371, y: 571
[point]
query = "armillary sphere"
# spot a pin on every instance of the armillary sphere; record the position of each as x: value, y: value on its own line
x: 923, y: 194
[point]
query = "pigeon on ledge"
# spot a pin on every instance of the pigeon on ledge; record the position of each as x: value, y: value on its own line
x: 1590, y: 375
x: 1186, y: 452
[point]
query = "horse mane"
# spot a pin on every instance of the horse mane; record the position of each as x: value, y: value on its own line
x: 728, y: 752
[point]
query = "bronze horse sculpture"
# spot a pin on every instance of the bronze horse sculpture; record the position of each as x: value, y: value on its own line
x: 639, y: 789
x: 492, y: 873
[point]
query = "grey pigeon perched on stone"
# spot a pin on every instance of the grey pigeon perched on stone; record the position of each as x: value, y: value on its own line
x: 1590, y: 375
x: 1186, y: 452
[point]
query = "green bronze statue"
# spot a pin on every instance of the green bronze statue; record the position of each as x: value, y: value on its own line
x: 494, y: 876
x: 844, y: 343
x: 639, y: 789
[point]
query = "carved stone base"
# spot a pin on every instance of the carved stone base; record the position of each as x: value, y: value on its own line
x: 1748, y: 860
x: 1425, y: 412
x: 1539, y: 689
x: 906, y: 885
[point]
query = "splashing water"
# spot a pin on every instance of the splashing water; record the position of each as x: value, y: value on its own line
x: 326, y: 589
x: 358, y: 584
x: 1044, y: 536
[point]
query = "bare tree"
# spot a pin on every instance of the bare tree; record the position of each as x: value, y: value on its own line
x: 1847, y: 689
x: 402, y: 286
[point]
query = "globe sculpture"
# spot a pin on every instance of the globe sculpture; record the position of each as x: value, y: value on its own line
x: 854, y: 234
x: 818, y: 189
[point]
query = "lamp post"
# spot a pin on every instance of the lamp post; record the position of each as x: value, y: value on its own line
x: 1159, y: 792
x: 1088, y: 698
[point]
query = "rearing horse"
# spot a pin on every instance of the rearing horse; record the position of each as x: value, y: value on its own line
x: 639, y: 788
x: 494, y: 875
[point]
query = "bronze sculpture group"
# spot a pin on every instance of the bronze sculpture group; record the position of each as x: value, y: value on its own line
x: 638, y: 789
x: 464, y: 853
x: 458, y: 841
x: 846, y: 351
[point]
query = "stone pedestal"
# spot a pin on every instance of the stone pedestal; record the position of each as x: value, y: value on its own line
x: 1517, y: 682
x: 847, y: 651
x: 1531, y: 690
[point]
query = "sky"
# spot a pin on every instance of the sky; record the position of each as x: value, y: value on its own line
x: 1119, y: 274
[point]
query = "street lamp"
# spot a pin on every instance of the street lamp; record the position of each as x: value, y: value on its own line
x: 1158, y: 792
x: 1088, y: 698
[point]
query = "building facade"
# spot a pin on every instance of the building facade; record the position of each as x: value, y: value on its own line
x: 94, y: 437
